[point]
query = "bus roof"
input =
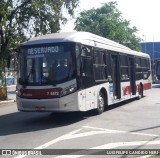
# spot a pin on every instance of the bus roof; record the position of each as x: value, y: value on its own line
x: 84, y: 38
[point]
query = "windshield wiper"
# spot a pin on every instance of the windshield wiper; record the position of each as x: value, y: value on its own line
x: 26, y: 80
x: 30, y: 72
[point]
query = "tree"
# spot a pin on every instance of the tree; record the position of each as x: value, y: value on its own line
x: 22, y: 19
x: 107, y: 22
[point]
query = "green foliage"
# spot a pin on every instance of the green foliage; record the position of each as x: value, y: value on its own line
x: 155, y: 156
x: 108, y: 22
x: 22, y: 19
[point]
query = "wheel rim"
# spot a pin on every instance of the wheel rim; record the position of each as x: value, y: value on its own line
x: 140, y: 94
x: 101, y: 103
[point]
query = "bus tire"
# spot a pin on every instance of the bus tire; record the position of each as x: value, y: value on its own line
x: 101, y: 104
x: 140, y: 93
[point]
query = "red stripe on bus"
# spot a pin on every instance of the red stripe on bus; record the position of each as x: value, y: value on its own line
x: 147, y: 86
x: 41, y: 93
x: 127, y: 89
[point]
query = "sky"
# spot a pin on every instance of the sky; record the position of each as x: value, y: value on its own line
x: 144, y: 14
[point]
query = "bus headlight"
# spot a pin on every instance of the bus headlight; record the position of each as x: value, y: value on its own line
x: 69, y: 90
x: 18, y: 92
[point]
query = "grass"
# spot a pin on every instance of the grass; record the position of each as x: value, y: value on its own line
x: 155, y: 156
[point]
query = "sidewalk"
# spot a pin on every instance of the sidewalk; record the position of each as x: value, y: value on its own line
x: 11, y: 94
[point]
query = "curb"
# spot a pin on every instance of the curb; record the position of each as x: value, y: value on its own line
x: 7, y: 101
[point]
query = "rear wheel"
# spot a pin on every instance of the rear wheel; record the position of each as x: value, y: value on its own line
x: 140, y: 95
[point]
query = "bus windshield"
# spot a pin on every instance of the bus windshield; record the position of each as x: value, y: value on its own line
x: 45, y: 65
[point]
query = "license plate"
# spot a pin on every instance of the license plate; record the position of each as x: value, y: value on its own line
x: 40, y: 108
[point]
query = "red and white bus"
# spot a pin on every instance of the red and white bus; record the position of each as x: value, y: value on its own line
x: 78, y: 71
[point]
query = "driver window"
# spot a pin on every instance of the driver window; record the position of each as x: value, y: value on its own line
x: 86, y: 61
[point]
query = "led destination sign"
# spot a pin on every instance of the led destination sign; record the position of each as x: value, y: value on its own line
x: 43, y: 50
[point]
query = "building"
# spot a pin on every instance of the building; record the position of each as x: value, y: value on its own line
x: 153, y: 49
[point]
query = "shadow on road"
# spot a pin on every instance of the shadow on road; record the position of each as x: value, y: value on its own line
x: 22, y: 122
x: 123, y: 103
x: 143, y: 129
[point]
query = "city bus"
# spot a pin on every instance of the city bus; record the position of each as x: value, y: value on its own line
x: 78, y: 71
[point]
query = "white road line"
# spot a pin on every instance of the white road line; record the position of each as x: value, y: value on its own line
x: 116, y: 131
x: 64, y: 137
x: 122, y: 144
x: 104, y: 129
x: 52, y: 142
x: 68, y: 136
x: 97, y: 131
x: 113, y: 146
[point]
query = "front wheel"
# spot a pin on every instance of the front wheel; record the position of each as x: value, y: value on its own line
x: 101, y: 104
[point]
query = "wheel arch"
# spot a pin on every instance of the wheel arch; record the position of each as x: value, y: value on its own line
x: 104, y: 92
x: 141, y: 84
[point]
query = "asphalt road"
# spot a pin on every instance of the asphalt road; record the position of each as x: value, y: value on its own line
x: 130, y: 125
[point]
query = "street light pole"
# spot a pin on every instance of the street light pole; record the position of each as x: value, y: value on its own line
x: 153, y: 61
x: 5, y: 78
x: 145, y: 43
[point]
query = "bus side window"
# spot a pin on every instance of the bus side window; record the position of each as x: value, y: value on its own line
x: 78, y: 62
x: 86, y: 61
x: 138, y: 69
x: 86, y: 66
x: 124, y: 68
x: 144, y: 68
x: 108, y: 66
x: 99, y: 65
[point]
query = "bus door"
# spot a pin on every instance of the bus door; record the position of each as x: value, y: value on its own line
x: 116, y: 76
x: 132, y: 75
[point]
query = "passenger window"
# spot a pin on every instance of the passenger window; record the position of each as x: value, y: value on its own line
x: 124, y: 67
x: 99, y: 66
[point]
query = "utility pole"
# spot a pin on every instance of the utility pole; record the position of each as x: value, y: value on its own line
x: 145, y: 43
x: 5, y: 77
x: 153, y: 62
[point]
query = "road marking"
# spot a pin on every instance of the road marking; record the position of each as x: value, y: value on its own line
x: 122, y: 144
x: 113, y: 146
x: 116, y: 131
x: 68, y: 136
x: 75, y: 134
x: 63, y: 137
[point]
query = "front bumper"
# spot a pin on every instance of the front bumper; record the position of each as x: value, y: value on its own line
x: 64, y: 104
